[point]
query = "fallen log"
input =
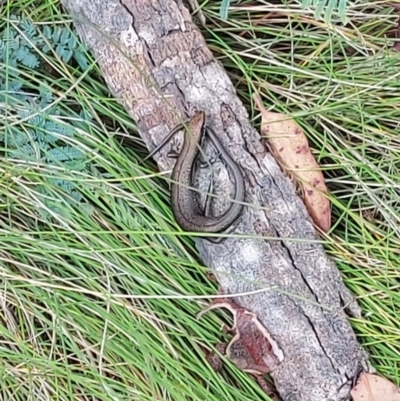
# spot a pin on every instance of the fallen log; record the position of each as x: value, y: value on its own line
x: 157, y: 64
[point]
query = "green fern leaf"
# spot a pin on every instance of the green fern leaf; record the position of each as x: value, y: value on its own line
x: 64, y: 153
x: 28, y: 27
x: 66, y: 57
x: 72, y: 42
x: 24, y: 113
x: 40, y: 137
x: 11, y: 96
x: 25, y: 57
x: 64, y: 38
x: 36, y: 120
x: 31, y: 134
x: 331, y: 7
x: 26, y: 152
x: 43, y: 145
x: 45, y: 95
x: 76, y: 196
x: 64, y: 53
x: 223, y: 11
x: 342, y: 11
x: 87, y: 208
x: 13, y: 138
x: 83, y: 121
x: 75, y: 165
x: 44, y: 137
x: 51, y: 126
x: 9, y: 92
x: 9, y: 39
x: 66, y: 186
x: 319, y: 8
x: 14, y: 85
x: 18, y: 140
x: 46, y: 48
x: 47, y: 32
x: 81, y: 59
x: 2, y: 50
x: 14, y: 72
x: 326, y: 9
x: 21, y: 53
x: 85, y: 115
x: 44, y: 214
x: 56, y: 34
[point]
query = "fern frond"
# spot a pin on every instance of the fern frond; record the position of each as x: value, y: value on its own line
x: 11, y: 96
x: 76, y: 196
x: 64, y: 38
x: 81, y: 59
x: 13, y: 72
x: 64, y: 153
x: 223, y: 11
x: 83, y: 121
x: 72, y: 42
x: 18, y: 140
x: 13, y: 138
x: 44, y: 146
x: 47, y: 33
x: 31, y: 134
x: 46, y: 48
x: 86, y: 115
x: 24, y: 113
x: 30, y: 61
x: 45, y: 95
x: 11, y: 93
x: 323, y: 9
x: 326, y: 9
x: 75, y: 165
x: 14, y: 85
x: 44, y: 214
x: 39, y: 138
x: 36, y: 120
x: 2, y: 50
x: 66, y: 186
x: 64, y: 53
x: 87, y: 208
x: 57, y: 34
x: 51, y: 126
x: 9, y: 38
x: 26, y: 152
x: 44, y: 137
x: 28, y: 27
x: 25, y: 57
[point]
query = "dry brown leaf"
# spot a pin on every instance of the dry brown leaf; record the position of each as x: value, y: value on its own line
x: 375, y: 388
x: 289, y: 145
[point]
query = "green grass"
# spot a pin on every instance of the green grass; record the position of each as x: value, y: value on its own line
x: 102, y: 305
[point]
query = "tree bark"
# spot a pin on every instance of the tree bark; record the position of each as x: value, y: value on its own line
x: 157, y: 64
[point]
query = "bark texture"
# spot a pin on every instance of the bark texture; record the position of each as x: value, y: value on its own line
x: 157, y: 64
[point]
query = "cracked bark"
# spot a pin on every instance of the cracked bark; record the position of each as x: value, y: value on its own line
x: 156, y: 63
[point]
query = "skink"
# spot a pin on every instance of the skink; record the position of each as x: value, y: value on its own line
x: 185, y: 207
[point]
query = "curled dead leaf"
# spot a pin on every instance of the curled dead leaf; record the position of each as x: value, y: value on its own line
x: 289, y: 145
x: 375, y: 388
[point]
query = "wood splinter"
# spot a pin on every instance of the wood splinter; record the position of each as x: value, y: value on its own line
x: 252, y: 349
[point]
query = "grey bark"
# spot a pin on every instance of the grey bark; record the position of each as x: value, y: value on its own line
x: 157, y: 64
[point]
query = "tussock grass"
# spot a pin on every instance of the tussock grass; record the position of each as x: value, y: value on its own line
x: 91, y: 301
